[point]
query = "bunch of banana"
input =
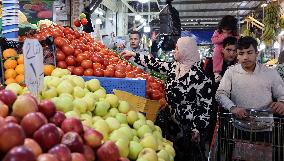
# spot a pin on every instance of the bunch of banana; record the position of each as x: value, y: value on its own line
x: 0, y: 8
x: 272, y: 21
x: 246, y: 32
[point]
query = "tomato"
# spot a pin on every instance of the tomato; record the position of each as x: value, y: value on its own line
x: 67, y: 31
x: 70, y: 60
x: 78, y: 71
x: 109, y: 72
x: 68, y: 49
x: 77, y: 23
x: 62, y: 64
x: 71, y: 68
x: 56, y: 33
x: 128, y: 68
x: 97, y: 65
x: 77, y: 51
x: 155, y: 85
x: 137, y: 70
x: 77, y: 34
x: 106, y: 62
x: 156, y: 94
x: 97, y: 59
x: 86, y: 64
x: 130, y: 75
x: 81, y: 57
x: 60, y: 56
x: 119, y: 74
x: 89, y: 72
x: 59, y: 42
x: 99, y: 72
x: 85, y: 47
x: 84, y: 21
x: 150, y: 79
x: 70, y: 37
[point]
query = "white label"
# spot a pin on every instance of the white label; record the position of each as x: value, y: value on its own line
x: 33, y: 61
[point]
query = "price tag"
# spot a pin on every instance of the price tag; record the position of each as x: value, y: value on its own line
x: 33, y: 58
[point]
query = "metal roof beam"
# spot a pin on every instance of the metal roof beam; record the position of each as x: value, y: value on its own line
x: 204, y: 17
x: 217, y: 9
x: 210, y: 1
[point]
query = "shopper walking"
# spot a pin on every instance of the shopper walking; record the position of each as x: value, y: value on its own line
x: 251, y: 85
x: 189, y: 97
x: 280, y: 66
x: 227, y: 27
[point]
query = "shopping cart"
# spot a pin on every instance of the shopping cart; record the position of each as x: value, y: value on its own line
x: 259, y: 137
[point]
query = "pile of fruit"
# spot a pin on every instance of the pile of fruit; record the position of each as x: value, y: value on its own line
x: 80, y: 54
x: 108, y: 119
x: 272, y: 22
x: 13, y: 66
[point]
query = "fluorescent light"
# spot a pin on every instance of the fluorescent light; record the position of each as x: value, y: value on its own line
x: 276, y: 45
x: 98, y: 21
x: 147, y: 29
x: 143, y: 1
x: 264, y: 5
x: 137, y: 17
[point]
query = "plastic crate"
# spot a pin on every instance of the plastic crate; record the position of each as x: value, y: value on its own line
x: 134, y: 86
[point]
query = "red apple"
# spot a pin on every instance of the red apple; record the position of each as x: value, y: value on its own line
x: 47, y: 107
x: 61, y: 133
x: 78, y: 157
x: 11, y: 135
x: 32, y: 122
x: 123, y: 159
x: 12, y: 119
x: 2, y: 121
x: 89, y: 153
x: 72, y: 124
x: 4, y: 109
x: 58, y: 118
x: 61, y: 152
x: 108, y: 152
x: 20, y: 153
x: 42, y: 116
x: 73, y: 141
x: 93, y: 138
x: 23, y: 105
x: 33, y: 146
x: 47, y: 157
x: 47, y: 136
x: 8, y: 97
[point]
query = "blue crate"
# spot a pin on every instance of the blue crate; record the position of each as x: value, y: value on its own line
x: 134, y: 86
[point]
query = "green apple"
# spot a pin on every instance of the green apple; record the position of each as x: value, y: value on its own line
x: 66, y: 72
x: 113, y: 111
x: 90, y: 102
x: 141, y: 116
x: 64, y: 87
x: 80, y: 105
x: 134, y: 149
x: 121, y: 118
x: 69, y: 79
x: 78, y: 92
x: 148, y: 154
x: 134, y: 132
x: 115, y: 135
x: 49, y: 92
x: 113, y: 123
x: 158, y: 129
x: 122, y: 146
x: 87, y: 123
x: 151, y: 124
x: 149, y: 141
x: 26, y: 90
x: 74, y: 114
x: 86, y: 90
x: 127, y: 131
x: 58, y: 72
x: 93, y: 85
x: 132, y: 116
x: 66, y: 95
x: 63, y: 104
x: 102, y: 108
x: 164, y: 155
x: 142, y: 159
x: 54, y: 82
x: 86, y: 116
x: 100, y: 93
x: 144, y: 129
x: 14, y: 87
x: 172, y: 158
x: 82, y: 15
x: 139, y: 123
x: 158, y: 135
x: 79, y: 81
x: 113, y: 100
x: 169, y: 148
x: 135, y: 138
x: 47, y: 79
x: 160, y: 159
x: 102, y: 126
x: 97, y: 118
x: 123, y: 107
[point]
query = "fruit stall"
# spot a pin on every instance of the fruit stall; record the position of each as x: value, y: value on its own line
x: 89, y: 103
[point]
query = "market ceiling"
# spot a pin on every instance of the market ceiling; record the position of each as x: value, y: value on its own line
x: 197, y: 13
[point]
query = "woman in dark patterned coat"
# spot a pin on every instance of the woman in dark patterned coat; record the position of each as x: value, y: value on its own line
x: 188, y: 93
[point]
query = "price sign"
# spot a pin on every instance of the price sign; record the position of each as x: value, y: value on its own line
x: 33, y: 58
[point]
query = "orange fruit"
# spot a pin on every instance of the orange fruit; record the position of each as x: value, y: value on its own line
x: 10, y: 80
x: 10, y: 64
x: 20, y: 78
x: 9, y: 53
x: 20, y: 69
x: 10, y: 73
x: 47, y: 69
x: 20, y: 59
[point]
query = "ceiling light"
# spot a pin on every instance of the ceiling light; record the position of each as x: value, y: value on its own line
x: 143, y: 1
x: 264, y: 5
x: 147, y: 29
x: 186, y: 20
x: 137, y: 17
x: 191, y: 20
